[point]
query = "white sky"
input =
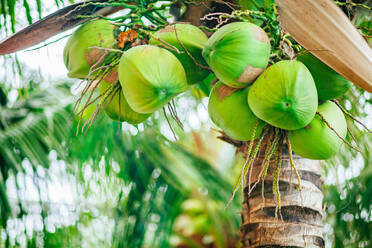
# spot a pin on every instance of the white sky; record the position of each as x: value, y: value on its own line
x: 48, y: 59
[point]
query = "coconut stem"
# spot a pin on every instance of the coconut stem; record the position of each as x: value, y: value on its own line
x: 90, y: 81
x: 188, y: 53
x: 353, y: 4
x: 172, y: 110
x: 99, y: 61
x: 248, y: 154
x: 330, y: 127
x: 272, y: 149
x: 119, y: 121
x: 263, y: 165
x: 106, y: 49
x: 220, y: 17
x: 275, y: 188
x: 275, y: 175
x: 252, y: 159
x: 164, y: 44
x: 241, y: 179
x: 352, y: 135
x: 101, y: 106
x: 103, y: 71
x: 87, y: 104
x: 169, y: 124
x: 268, y: 144
x: 267, y: 162
x: 292, y: 163
x: 350, y: 115
x: 224, y: 137
x: 89, y: 84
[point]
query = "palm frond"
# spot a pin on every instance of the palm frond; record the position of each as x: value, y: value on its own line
x: 159, y: 176
x: 30, y: 129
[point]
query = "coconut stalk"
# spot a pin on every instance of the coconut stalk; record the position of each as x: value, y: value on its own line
x: 322, y: 28
x: 298, y: 222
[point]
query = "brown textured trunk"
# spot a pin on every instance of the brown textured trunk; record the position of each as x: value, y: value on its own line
x: 299, y: 222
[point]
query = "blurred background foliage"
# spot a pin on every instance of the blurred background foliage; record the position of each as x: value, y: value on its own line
x: 135, y: 186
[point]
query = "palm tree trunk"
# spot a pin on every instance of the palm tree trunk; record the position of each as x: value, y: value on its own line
x: 299, y: 222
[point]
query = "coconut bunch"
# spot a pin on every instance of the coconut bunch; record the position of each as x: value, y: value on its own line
x: 292, y: 97
x: 135, y: 76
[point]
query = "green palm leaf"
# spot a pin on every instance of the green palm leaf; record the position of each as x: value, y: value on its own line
x: 29, y: 130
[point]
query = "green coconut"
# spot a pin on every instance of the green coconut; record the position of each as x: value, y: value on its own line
x: 77, y: 55
x: 150, y: 77
x: 194, y: 40
x: 237, y: 53
x: 317, y: 140
x: 329, y: 83
x: 228, y: 109
x: 116, y: 106
x: 284, y: 95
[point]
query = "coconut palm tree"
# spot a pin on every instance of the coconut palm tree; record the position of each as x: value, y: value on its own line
x: 298, y: 223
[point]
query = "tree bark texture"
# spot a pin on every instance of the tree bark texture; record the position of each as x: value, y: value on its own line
x: 299, y: 222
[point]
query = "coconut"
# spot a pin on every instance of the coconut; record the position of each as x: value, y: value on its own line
x: 317, y: 140
x: 77, y: 55
x: 284, y: 95
x: 150, y: 77
x: 237, y: 53
x: 116, y: 106
x: 193, y: 39
x: 228, y: 108
x: 329, y: 83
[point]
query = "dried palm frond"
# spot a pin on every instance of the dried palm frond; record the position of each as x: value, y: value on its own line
x: 323, y: 29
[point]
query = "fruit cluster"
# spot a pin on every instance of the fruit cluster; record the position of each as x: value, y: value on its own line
x: 292, y: 95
